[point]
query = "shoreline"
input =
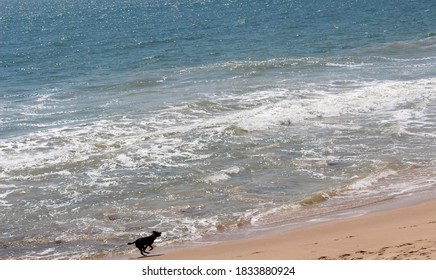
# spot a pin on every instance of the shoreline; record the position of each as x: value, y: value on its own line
x: 402, y: 230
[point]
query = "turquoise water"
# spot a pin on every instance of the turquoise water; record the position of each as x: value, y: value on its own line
x: 205, y: 118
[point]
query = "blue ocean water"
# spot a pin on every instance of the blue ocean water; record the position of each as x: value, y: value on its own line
x: 202, y: 118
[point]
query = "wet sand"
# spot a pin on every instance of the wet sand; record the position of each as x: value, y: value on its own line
x: 407, y: 233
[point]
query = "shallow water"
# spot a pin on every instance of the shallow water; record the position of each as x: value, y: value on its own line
x: 200, y: 118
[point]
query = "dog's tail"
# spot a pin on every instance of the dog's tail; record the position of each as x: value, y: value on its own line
x: 131, y: 243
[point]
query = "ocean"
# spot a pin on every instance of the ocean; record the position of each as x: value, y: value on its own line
x: 205, y: 119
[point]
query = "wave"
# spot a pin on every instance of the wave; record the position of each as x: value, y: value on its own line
x: 240, y: 69
x: 426, y: 44
x: 406, y: 50
x: 184, y: 133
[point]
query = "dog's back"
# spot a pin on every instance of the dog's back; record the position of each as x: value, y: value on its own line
x: 143, y: 241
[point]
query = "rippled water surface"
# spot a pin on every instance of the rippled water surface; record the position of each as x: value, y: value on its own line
x: 199, y: 118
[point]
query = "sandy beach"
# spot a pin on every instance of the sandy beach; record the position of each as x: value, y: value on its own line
x: 407, y: 233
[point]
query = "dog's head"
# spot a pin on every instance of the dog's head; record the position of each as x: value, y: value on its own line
x: 156, y: 233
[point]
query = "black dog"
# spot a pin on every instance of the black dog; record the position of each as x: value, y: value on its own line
x: 144, y: 242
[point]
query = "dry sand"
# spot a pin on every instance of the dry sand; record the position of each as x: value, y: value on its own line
x: 404, y: 233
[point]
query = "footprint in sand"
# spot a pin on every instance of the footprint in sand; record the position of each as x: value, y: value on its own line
x: 344, y: 256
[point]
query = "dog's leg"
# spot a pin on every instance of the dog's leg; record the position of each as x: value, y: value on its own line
x: 144, y: 250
